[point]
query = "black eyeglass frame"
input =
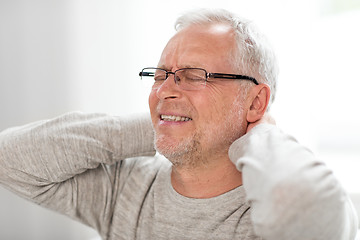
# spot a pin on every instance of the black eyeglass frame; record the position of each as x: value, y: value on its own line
x: 207, y: 75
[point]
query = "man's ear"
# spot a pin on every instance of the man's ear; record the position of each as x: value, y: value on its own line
x: 259, y: 99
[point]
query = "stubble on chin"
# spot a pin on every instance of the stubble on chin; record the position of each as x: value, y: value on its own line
x: 186, y: 153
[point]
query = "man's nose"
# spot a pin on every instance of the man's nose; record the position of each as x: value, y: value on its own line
x: 169, y: 89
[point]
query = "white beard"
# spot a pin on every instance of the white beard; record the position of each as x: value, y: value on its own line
x: 186, y: 153
x: 196, y: 149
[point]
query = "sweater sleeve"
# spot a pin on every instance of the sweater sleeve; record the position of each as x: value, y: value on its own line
x: 60, y: 163
x: 292, y: 194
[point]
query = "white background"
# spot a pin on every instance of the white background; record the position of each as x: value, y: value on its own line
x: 64, y: 55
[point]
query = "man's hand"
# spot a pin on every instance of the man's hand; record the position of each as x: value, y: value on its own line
x: 267, y: 118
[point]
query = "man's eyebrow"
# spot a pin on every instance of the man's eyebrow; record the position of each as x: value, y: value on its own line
x: 191, y: 66
x: 163, y: 67
x: 197, y: 65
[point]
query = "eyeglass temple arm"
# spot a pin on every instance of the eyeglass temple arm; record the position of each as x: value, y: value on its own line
x: 146, y: 74
x: 232, y: 76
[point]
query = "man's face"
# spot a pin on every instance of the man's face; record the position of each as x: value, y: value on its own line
x: 195, y: 126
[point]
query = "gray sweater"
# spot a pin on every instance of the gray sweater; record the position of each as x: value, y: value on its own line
x: 103, y: 171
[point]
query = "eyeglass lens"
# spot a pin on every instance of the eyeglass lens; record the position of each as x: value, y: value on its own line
x: 186, y: 79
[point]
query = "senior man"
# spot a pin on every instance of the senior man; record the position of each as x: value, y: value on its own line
x: 224, y: 171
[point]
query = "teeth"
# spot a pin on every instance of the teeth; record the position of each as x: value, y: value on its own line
x: 174, y: 118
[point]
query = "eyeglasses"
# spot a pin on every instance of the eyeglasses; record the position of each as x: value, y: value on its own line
x: 188, y: 78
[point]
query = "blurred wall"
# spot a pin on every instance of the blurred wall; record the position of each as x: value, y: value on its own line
x: 35, y: 62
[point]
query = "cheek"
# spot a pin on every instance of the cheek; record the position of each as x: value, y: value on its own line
x: 227, y: 108
x: 153, y: 101
x: 216, y: 106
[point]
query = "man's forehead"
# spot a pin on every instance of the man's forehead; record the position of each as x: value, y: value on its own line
x: 206, y: 31
x: 198, y: 41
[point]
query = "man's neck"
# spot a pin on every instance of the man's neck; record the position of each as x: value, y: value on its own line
x: 206, y: 181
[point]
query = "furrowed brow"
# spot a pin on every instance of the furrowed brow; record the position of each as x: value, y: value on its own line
x: 194, y: 65
x: 163, y: 67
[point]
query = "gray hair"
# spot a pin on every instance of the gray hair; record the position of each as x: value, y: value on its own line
x: 254, y: 55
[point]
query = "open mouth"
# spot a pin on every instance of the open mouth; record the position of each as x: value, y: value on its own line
x: 172, y: 118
